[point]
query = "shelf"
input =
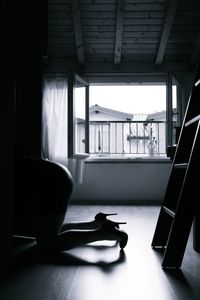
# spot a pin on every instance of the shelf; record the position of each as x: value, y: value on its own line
x: 197, y: 82
x: 193, y: 120
x: 181, y: 166
x: 169, y: 211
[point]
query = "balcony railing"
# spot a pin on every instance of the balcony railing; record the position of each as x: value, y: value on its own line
x: 124, y: 138
x: 139, y: 138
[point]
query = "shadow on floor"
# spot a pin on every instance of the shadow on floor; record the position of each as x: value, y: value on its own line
x: 176, y: 279
x: 27, y: 254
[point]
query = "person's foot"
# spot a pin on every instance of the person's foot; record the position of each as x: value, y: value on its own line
x: 110, y: 231
x: 101, y: 218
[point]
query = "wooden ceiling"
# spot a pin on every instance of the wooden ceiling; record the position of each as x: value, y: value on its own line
x: 120, y: 34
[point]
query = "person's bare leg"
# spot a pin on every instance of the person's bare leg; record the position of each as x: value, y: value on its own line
x: 74, y: 238
x: 50, y: 238
x: 95, y: 224
x: 52, y: 234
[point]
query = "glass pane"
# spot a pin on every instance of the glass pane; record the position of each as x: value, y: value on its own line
x: 128, y: 120
x: 174, y: 114
x: 80, y: 116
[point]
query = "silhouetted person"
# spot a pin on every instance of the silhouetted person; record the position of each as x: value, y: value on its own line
x: 42, y: 194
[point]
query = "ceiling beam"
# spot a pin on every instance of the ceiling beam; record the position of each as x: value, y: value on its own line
x: 169, y: 18
x: 78, y: 31
x: 196, y: 53
x: 119, y: 32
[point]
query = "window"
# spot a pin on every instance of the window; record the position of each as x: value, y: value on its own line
x: 176, y: 111
x: 124, y: 119
x: 127, y: 120
x: 78, y: 116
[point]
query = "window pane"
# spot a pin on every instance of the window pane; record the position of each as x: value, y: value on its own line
x: 128, y: 120
x: 175, y: 114
x: 80, y: 119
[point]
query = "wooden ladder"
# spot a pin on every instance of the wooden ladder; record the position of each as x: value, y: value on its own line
x: 180, y: 203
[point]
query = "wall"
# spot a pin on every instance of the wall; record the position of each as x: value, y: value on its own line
x: 123, y: 182
x: 28, y: 106
x: 7, y: 130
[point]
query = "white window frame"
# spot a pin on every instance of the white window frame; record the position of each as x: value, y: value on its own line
x: 122, y: 79
x: 72, y: 77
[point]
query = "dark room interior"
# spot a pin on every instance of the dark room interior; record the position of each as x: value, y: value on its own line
x: 70, y: 152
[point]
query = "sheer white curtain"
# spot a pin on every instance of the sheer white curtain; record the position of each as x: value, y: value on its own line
x: 54, y: 120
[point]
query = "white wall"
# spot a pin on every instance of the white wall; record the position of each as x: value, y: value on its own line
x: 134, y: 182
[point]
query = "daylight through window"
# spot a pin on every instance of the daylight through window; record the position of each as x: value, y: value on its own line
x: 127, y: 121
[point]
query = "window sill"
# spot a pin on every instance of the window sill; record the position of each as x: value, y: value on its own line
x: 80, y: 156
x: 129, y: 160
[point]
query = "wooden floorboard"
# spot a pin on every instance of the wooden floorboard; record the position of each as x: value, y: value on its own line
x: 98, y: 271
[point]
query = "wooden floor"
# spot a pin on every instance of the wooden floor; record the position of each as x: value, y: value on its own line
x: 98, y: 271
